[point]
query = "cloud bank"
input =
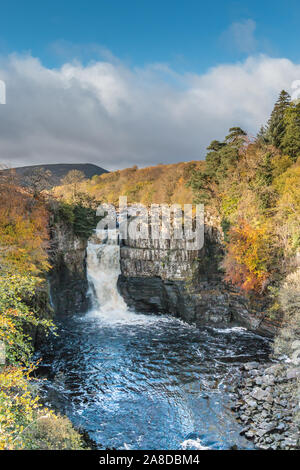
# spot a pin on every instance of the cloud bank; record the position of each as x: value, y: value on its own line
x: 117, y: 116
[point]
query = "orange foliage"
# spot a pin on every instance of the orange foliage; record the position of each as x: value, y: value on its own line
x: 246, y: 260
x: 23, y: 230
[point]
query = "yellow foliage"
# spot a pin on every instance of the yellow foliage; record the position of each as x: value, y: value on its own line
x: 18, y: 407
x: 288, y: 186
x: 280, y: 164
x: 23, y: 231
x: 24, y: 422
x: 158, y: 184
x: 287, y: 217
x: 246, y: 260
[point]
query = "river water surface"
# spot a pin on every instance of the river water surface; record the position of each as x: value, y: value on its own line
x: 135, y: 381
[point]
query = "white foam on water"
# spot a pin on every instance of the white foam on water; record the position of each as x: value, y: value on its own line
x: 239, y: 329
x: 103, y: 270
x: 193, y: 444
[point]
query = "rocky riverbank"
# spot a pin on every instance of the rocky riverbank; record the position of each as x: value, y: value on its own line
x: 267, y: 404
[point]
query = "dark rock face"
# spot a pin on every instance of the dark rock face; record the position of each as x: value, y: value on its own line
x: 151, y: 294
x: 162, y: 276
x: 156, y: 295
x: 68, y: 278
x: 68, y: 291
x: 41, y: 304
x: 245, y: 314
x: 157, y: 277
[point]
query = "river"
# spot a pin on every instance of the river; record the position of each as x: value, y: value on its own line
x: 135, y: 381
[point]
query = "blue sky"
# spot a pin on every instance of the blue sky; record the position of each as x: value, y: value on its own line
x: 188, y: 34
x: 139, y: 82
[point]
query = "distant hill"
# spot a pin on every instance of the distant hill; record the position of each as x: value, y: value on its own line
x: 156, y: 184
x: 60, y: 170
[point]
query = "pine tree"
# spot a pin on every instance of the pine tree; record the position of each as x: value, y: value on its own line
x: 290, y: 144
x: 229, y: 154
x: 261, y: 136
x: 236, y: 135
x: 276, y: 123
x: 213, y: 158
x: 221, y: 158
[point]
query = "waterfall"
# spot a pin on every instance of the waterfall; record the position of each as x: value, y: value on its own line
x: 103, y: 269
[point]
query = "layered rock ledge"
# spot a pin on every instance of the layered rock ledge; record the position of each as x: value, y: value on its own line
x: 163, y: 276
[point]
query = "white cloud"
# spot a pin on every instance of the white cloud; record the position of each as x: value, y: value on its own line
x: 241, y: 36
x: 116, y: 116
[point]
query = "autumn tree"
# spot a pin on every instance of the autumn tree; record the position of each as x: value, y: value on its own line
x: 23, y: 231
x: 73, y: 178
x: 8, y: 176
x: 38, y: 180
x: 248, y: 255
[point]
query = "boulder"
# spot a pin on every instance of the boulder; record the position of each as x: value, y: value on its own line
x: 262, y: 395
x: 251, y: 365
x: 295, y: 345
x: 293, y: 373
x: 275, y: 369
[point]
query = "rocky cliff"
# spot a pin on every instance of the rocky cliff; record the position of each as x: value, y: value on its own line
x: 68, y: 278
x: 159, y: 276
x: 162, y: 276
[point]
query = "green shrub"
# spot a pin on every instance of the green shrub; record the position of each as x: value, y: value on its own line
x: 52, y: 432
x: 79, y: 213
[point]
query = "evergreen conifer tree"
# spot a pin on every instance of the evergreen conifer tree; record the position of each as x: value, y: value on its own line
x: 276, y: 123
x: 290, y: 144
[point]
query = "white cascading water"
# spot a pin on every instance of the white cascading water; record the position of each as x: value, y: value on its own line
x: 103, y: 270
